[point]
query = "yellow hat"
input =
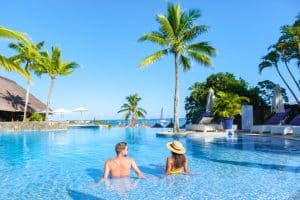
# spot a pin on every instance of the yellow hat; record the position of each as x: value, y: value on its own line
x: 176, y: 147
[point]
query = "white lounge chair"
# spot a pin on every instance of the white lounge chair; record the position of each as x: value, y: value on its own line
x: 281, y: 130
x: 276, y: 119
x: 204, y: 125
x: 292, y: 128
x: 296, y: 131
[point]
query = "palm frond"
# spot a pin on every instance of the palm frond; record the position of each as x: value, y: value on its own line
x: 193, y: 32
x: 55, y: 58
x: 174, y: 17
x: 9, y: 65
x: 200, y: 58
x: 127, y: 115
x: 188, y: 18
x: 263, y: 65
x: 10, y: 34
x: 154, y: 57
x: 154, y: 37
x: 142, y: 110
x: 40, y: 45
x: 186, y: 63
x: 203, y: 47
x: 140, y: 114
x: 165, y: 26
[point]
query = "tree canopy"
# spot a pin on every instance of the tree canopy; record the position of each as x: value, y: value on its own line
x: 225, y: 82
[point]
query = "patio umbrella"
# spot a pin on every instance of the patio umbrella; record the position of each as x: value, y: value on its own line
x: 81, y: 110
x: 61, y: 111
x: 210, y: 101
x: 277, y: 101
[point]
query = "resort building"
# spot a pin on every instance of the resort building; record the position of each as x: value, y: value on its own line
x: 12, y: 101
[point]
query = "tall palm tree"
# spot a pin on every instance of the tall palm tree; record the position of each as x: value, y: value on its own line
x: 272, y: 59
x: 291, y: 38
x: 5, y: 62
x: 287, y: 52
x: 53, y: 66
x: 30, y: 58
x: 175, y: 34
x: 132, y: 110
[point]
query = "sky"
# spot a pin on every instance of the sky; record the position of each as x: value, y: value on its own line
x: 102, y: 37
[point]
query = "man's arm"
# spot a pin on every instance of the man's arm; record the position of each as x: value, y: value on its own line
x: 136, y: 169
x: 106, y: 172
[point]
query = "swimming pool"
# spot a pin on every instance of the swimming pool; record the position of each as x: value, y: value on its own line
x: 61, y: 165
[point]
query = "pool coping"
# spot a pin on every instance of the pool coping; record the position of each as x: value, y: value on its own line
x: 219, y: 133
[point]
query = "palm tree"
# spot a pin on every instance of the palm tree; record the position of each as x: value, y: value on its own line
x: 5, y: 62
x: 29, y: 57
x: 291, y: 38
x: 53, y: 66
x: 131, y: 110
x: 287, y: 52
x: 175, y: 34
x: 272, y: 59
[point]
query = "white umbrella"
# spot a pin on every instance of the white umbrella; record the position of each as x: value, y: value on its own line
x: 44, y: 112
x: 61, y: 111
x: 81, y: 110
x: 210, y: 101
x: 277, y: 101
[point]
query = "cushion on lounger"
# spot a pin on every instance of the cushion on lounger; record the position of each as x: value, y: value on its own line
x: 295, y: 121
x: 206, y: 120
x: 277, y: 118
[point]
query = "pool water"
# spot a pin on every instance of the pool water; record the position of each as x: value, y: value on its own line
x: 62, y: 165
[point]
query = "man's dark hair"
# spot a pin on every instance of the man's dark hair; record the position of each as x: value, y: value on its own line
x: 120, y: 147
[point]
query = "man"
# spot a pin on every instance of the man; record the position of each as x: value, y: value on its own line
x: 120, y: 165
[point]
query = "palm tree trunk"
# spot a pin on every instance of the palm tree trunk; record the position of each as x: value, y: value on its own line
x: 176, y: 96
x: 26, y: 102
x: 293, y: 77
x: 49, y: 97
x: 287, y: 85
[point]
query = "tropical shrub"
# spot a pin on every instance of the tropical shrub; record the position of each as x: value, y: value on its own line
x: 35, y: 117
x: 228, y: 105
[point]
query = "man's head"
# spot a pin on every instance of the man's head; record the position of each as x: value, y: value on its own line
x: 121, y: 148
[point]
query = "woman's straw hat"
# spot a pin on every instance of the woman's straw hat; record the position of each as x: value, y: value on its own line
x: 176, y: 147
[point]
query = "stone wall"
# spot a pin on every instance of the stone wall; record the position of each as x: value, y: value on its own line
x: 33, y: 126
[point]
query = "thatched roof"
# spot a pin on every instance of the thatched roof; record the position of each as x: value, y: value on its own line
x: 12, y: 98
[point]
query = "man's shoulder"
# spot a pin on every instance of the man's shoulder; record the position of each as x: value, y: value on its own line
x: 110, y: 160
x: 129, y: 159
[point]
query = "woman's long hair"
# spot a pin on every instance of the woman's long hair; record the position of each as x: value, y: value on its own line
x: 179, y: 160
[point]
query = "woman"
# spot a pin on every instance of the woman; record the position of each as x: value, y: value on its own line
x: 178, y: 161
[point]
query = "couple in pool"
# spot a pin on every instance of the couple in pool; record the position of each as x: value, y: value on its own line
x: 120, y: 165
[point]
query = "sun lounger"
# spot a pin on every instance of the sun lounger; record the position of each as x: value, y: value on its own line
x: 204, y: 124
x: 292, y: 128
x: 276, y: 119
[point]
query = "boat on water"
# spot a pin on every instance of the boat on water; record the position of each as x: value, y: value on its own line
x: 162, y: 121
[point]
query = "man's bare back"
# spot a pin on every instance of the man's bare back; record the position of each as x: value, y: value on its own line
x: 119, y: 166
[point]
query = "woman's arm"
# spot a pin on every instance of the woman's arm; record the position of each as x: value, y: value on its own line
x: 185, y: 166
x: 168, y: 166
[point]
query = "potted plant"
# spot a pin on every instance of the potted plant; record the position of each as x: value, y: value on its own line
x: 228, y: 105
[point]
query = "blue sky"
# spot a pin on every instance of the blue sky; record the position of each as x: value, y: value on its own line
x: 102, y: 37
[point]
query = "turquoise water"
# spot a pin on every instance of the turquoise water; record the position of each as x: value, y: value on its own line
x: 149, y: 122
x: 61, y: 165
